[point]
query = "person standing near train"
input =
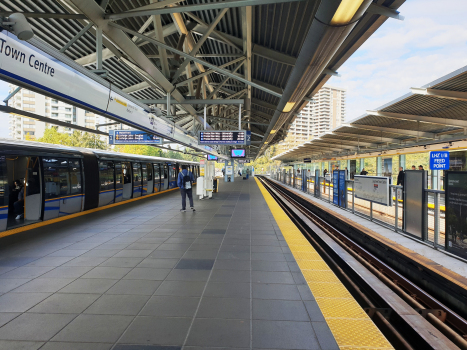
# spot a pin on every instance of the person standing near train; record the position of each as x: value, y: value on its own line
x: 185, y: 182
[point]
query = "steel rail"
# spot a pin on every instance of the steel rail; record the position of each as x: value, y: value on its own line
x: 454, y: 327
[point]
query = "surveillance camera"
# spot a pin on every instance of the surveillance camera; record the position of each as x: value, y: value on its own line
x: 20, y: 26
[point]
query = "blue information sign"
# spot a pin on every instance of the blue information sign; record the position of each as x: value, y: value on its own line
x: 439, y: 160
x: 335, y: 187
x: 342, y: 201
x: 124, y: 137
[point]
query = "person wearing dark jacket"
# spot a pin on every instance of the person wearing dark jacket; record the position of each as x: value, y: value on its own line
x: 19, y: 204
x: 400, y: 177
x: 364, y: 172
x: 185, y: 181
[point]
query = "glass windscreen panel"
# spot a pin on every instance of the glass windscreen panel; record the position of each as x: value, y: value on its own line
x: 118, y: 176
x: 106, y: 176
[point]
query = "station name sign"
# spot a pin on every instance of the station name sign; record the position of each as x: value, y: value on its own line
x: 243, y: 161
x: 224, y: 137
x: 439, y: 160
x: 133, y: 137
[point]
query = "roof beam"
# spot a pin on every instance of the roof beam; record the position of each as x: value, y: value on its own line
x: 451, y: 95
x: 198, y: 60
x: 422, y: 118
x: 199, y: 43
x: 264, y: 104
x: 197, y: 102
x: 95, y: 13
x: 76, y: 37
x: 46, y: 15
x: 219, y: 86
x: 367, y: 137
x: 7, y: 109
x: 414, y: 133
x: 87, y: 60
x: 256, y: 49
x: 354, y: 143
x: 384, y: 11
x: 159, y: 35
x: 246, y: 16
x: 194, y: 8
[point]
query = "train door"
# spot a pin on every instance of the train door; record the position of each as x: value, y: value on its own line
x: 137, y: 183
x: 71, y: 191
x: 4, y: 194
x: 166, y: 177
x: 106, y: 183
x: 127, y: 184
x: 157, y: 177
x: 118, y: 182
x: 150, y: 178
x: 144, y: 179
x: 172, y: 175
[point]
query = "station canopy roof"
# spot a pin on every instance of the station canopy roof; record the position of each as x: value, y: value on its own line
x: 273, y: 54
x: 432, y: 114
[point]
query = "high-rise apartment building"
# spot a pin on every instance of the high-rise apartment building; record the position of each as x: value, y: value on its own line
x: 326, y: 112
x: 22, y: 128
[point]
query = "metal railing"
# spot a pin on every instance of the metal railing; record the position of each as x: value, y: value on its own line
x: 389, y: 216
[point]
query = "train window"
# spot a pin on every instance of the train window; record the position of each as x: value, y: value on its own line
x: 136, y: 175
x: 144, y: 172
x: 106, y: 175
x: 126, y: 170
x: 156, y: 177
x: 55, y: 176
x: 4, y: 188
x: 74, y: 168
x: 166, y: 171
x: 118, y: 176
x: 33, y: 182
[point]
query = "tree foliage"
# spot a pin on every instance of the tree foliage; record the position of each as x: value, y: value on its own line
x: 77, y: 139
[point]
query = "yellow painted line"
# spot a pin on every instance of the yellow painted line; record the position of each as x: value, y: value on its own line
x: 71, y: 216
x: 350, y: 325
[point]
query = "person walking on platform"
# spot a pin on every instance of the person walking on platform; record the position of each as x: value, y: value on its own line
x: 413, y: 167
x: 185, y: 181
x: 364, y: 172
x: 325, y: 172
x: 420, y: 167
x: 400, y: 177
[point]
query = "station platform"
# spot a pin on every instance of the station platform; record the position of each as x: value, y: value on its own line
x: 235, y: 274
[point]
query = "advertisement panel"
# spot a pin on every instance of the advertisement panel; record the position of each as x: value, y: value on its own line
x: 335, y: 187
x: 342, y: 201
x: 456, y: 212
x: 372, y: 188
x: 229, y: 170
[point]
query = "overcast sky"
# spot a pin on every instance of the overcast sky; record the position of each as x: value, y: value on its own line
x: 429, y: 43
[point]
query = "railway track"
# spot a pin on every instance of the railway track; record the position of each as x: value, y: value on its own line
x: 406, y: 313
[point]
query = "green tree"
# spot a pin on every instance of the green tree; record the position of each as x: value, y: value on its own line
x: 52, y: 135
x: 87, y: 140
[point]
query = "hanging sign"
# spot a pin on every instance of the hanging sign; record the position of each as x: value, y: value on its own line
x: 439, y: 160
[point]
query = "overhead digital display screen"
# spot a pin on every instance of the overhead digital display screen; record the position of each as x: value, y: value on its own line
x: 210, y: 157
x: 238, y: 153
x: 222, y: 137
x: 117, y: 137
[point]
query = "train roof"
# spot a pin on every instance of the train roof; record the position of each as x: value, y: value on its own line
x: 54, y: 148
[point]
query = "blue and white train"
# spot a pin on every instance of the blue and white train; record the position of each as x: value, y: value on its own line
x: 61, y: 180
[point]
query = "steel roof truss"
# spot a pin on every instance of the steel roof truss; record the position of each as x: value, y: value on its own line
x: 421, y: 118
x: 414, y: 133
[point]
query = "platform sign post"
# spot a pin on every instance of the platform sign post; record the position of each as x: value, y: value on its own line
x: 132, y: 137
x: 456, y: 210
x: 342, y: 189
x: 335, y: 187
x: 439, y: 160
x: 317, y: 184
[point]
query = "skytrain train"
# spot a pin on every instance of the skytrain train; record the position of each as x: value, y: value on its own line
x: 60, y: 180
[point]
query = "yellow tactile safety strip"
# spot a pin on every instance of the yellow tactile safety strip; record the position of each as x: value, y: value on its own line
x: 71, y: 216
x: 350, y: 325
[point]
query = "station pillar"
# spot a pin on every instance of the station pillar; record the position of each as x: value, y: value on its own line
x: 232, y: 176
x: 379, y: 166
x: 402, y: 161
x: 362, y: 165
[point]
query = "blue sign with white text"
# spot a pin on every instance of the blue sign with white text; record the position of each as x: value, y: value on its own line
x: 335, y: 187
x: 123, y: 137
x: 439, y: 160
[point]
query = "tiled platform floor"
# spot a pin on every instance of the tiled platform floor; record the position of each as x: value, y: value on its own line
x: 145, y: 276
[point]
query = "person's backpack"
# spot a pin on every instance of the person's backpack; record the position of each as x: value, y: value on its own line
x: 187, y: 180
